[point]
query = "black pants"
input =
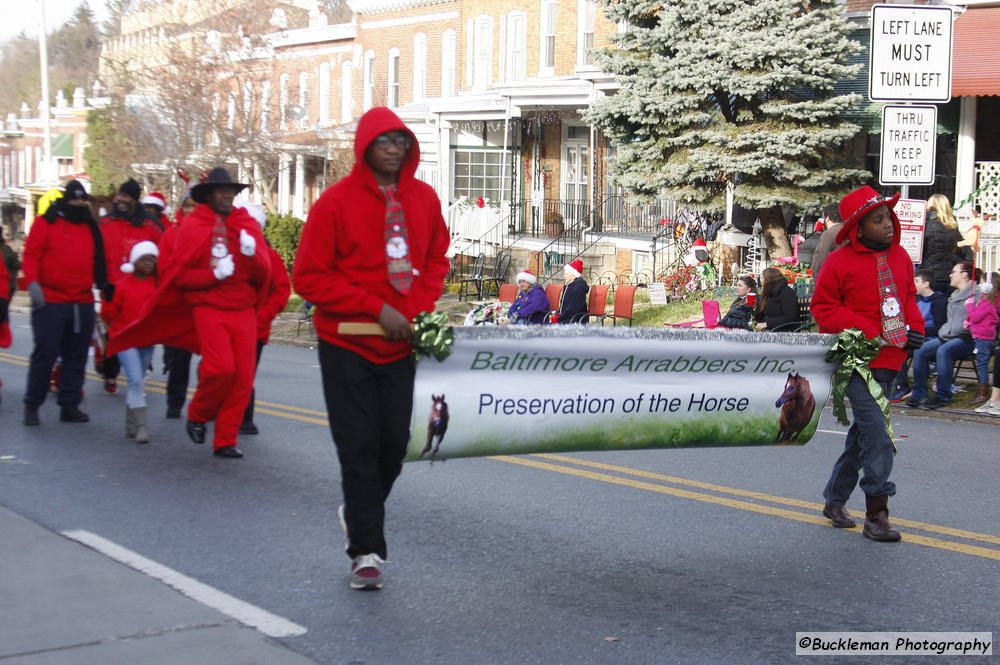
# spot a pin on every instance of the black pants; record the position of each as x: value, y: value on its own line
x: 111, y: 367
x: 248, y: 414
x: 59, y: 330
x: 178, y: 364
x: 369, y: 408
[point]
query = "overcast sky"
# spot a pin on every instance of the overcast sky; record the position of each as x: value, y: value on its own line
x: 26, y: 17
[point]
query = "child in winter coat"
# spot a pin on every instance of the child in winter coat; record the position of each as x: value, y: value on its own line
x: 136, y: 287
x: 982, y: 322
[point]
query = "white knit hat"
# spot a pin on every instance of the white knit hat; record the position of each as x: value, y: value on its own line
x: 139, y: 250
x: 526, y: 276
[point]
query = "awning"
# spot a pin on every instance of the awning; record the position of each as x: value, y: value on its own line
x: 975, y: 59
x: 62, y: 146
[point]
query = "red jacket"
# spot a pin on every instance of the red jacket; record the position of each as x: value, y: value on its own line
x: 847, y: 293
x: 119, y: 237
x: 4, y: 295
x: 341, y: 265
x: 192, y: 252
x: 59, y: 255
x: 167, y: 243
x: 279, y: 290
x: 131, y: 294
x: 166, y: 318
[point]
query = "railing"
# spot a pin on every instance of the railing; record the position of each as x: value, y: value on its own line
x: 623, y: 215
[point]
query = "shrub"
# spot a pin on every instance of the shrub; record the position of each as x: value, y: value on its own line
x: 283, y: 232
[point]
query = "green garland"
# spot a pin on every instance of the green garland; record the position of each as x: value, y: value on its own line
x: 854, y: 352
x: 432, y: 336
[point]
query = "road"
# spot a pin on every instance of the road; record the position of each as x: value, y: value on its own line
x: 676, y: 556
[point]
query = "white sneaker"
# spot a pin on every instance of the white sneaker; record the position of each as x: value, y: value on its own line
x: 985, y: 408
x: 995, y: 409
x: 366, y: 572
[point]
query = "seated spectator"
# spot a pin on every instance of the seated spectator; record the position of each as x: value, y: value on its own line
x: 954, y: 341
x: 934, y: 308
x: 741, y: 311
x: 573, y: 305
x: 777, y: 305
x: 983, y: 319
x: 531, y: 305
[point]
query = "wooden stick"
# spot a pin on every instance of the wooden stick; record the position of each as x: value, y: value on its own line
x: 357, y: 328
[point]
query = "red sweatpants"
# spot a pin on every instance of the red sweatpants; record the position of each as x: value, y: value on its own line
x: 228, y: 340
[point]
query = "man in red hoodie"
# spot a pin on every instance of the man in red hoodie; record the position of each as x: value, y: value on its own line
x: 372, y: 250
x: 868, y: 284
x: 63, y: 261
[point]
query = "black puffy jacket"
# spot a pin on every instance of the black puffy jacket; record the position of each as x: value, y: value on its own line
x: 940, y: 247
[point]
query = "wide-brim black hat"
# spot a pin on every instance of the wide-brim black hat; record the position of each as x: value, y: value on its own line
x: 217, y: 177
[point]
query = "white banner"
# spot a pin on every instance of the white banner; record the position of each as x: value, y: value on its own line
x: 533, y: 389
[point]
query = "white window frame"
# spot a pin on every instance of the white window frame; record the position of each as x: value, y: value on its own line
x: 368, y: 81
x: 324, y: 94
x: 304, y: 98
x: 482, y: 67
x: 265, y: 106
x: 516, y: 47
x: 346, y: 91
x: 586, y: 27
x: 283, y: 101
x: 547, y: 31
x: 449, y: 53
x: 419, y: 66
x: 393, y: 98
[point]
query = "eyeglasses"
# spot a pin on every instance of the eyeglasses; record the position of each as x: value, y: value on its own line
x: 402, y: 141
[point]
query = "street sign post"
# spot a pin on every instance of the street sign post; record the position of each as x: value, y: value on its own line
x: 912, y: 215
x: 909, y: 145
x: 910, y: 53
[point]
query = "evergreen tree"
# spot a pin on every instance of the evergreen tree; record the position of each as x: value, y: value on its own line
x: 75, y: 50
x: 715, y: 92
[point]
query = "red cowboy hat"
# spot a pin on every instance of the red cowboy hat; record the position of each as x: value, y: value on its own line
x: 859, y: 203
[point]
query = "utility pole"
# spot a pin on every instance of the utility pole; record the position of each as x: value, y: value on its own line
x: 47, y: 172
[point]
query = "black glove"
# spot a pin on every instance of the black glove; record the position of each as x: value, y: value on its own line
x: 914, y: 340
x: 108, y: 292
x: 4, y: 303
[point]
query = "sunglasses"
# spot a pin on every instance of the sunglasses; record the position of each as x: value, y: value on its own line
x: 401, y: 141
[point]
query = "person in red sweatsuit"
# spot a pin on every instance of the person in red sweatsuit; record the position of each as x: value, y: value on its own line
x: 372, y: 250
x: 278, y: 292
x: 176, y: 361
x: 207, y: 304
x: 867, y: 284
x: 63, y: 261
x: 137, y: 285
x: 126, y: 224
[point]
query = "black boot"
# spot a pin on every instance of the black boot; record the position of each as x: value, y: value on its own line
x: 877, y: 525
x: 839, y: 516
x: 31, y: 416
x: 196, y: 431
x: 73, y: 414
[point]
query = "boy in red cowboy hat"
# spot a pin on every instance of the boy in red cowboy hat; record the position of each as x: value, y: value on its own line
x: 868, y: 284
x: 207, y: 304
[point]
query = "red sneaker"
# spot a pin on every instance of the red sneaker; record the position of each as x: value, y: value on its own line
x: 110, y: 386
x: 366, y: 572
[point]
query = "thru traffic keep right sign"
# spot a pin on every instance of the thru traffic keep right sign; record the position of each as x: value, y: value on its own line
x: 909, y: 137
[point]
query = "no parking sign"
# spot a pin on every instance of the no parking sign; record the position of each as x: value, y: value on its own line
x: 911, y: 214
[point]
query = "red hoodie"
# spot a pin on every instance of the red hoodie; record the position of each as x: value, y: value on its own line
x: 278, y: 292
x: 341, y: 265
x: 59, y: 255
x: 131, y: 294
x: 847, y: 293
x: 119, y: 237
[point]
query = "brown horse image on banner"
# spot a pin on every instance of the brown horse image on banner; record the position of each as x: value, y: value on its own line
x: 437, y: 425
x: 797, y: 405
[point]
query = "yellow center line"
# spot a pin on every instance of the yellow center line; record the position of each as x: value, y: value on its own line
x: 286, y: 411
x: 811, y: 505
x: 961, y: 548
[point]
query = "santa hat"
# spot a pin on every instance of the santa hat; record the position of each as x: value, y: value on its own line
x: 155, y: 199
x: 139, y: 250
x: 699, y: 242
x: 574, y: 268
x: 257, y: 212
x: 527, y: 276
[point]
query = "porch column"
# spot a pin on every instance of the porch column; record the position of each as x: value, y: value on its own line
x: 299, y: 200
x: 284, y: 181
x: 965, y: 160
x: 257, y: 198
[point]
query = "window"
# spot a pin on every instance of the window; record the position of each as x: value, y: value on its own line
x: 216, y: 104
x: 449, y: 43
x: 265, y: 106
x: 247, y: 103
x: 324, y: 94
x: 231, y: 111
x: 483, y: 52
x: 368, y: 74
x: 585, y: 36
x: 515, y: 61
x: 283, y: 100
x: 303, y: 99
x: 419, y: 66
x: 547, y: 54
x: 478, y: 173
x: 346, y: 91
x: 393, y: 78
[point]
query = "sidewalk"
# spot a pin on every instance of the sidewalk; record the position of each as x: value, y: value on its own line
x: 62, y: 602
